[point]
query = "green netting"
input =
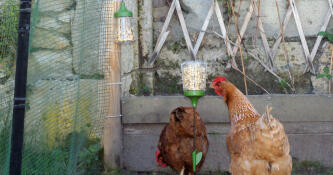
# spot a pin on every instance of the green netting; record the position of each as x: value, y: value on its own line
x: 66, y: 97
x: 8, y: 44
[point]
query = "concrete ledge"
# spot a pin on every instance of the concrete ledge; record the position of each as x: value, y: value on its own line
x: 287, y: 108
x: 139, y: 150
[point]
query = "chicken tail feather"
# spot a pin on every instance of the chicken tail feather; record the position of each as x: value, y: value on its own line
x: 265, y: 118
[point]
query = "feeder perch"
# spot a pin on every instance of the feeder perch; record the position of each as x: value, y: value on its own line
x: 124, y: 24
x: 194, y: 80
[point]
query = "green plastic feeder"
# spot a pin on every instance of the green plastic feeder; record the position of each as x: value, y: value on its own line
x: 194, y: 95
x: 123, y: 11
x: 194, y: 74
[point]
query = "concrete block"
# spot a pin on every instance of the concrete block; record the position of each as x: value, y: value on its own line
x: 287, y: 108
x: 140, y: 143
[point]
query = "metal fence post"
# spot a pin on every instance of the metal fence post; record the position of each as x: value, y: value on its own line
x: 20, y: 88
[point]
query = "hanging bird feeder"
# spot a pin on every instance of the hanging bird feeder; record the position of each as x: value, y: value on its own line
x: 194, y: 74
x: 194, y: 80
x: 124, y: 21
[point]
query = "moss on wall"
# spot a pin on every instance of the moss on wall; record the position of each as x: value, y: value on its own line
x: 61, y: 119
x: 167, y: 84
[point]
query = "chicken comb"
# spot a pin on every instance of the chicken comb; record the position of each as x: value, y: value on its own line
x: 219, y: 79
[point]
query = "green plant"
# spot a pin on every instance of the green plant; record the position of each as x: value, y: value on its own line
x: 167, y: 84
x: 325, y: 74
x: 5, y: 130
x: 310, y: 168
x: 89, y: 154
x: 89, y: 160
x: 328, y: 71
x: 327, y: 35
x: 284, y: 85
x: 41, y: 159
x: 115, y: 172
x: 8, y: 35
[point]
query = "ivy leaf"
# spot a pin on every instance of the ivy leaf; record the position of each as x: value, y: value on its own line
x: 329, y: 76
x: 283, y: 83
x: 198, y: 158
x: 330, y: 37
x: 326, y: 70
x: 320, y: 76
x: 322, y: 34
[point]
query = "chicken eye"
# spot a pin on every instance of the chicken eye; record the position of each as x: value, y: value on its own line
x: 178, y: 117
x: 178, y: 114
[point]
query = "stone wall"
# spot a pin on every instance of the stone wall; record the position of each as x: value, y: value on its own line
x: 65, y: 66
x: 64, y: 73
x: 67, y: 35
x: 164, y: 77
x: 51, y: 48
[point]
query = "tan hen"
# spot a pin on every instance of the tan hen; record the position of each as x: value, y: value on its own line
x: 258, y: 145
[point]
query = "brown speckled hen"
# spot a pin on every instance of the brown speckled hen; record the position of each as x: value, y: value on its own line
x: 175, y: 146
x: 258, y: 145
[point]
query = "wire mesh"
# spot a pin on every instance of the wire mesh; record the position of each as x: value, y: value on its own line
x: 68, y: 89
x: 8, y: 39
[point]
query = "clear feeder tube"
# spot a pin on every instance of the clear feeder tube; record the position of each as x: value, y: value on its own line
x: 194, y: 75
x: 125, y: 31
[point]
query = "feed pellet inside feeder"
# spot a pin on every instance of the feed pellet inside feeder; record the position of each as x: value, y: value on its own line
x: 194, y: 77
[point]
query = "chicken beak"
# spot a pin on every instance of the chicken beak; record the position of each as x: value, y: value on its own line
x: 211, y: 86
